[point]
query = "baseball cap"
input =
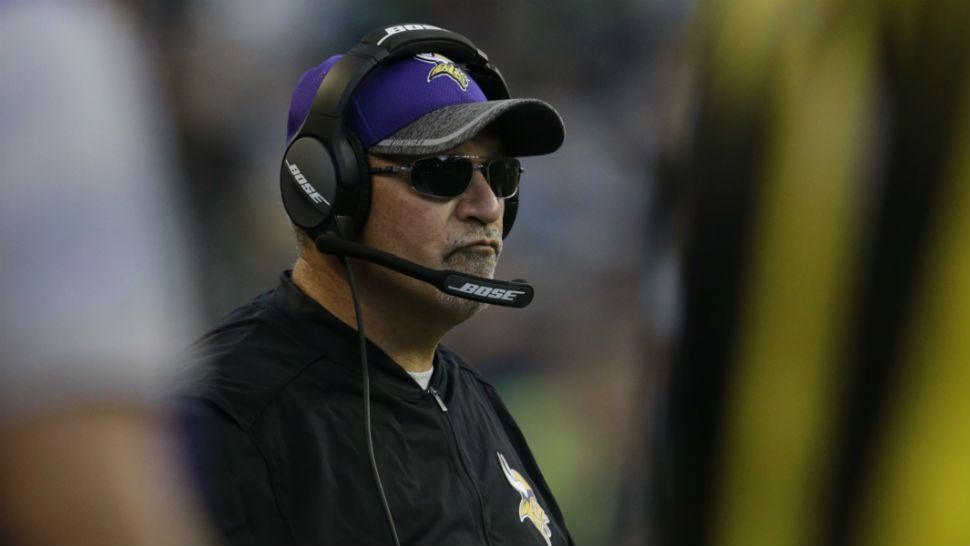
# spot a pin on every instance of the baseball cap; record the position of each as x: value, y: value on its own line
x: 425, y: 105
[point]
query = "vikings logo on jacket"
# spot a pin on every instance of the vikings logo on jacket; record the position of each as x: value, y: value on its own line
x: 529, y: 505
x: 443, y: 66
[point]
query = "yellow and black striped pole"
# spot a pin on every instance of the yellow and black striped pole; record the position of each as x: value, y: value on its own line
x: 820, y: 387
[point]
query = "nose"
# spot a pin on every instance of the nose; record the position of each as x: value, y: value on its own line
x: 479, y: 202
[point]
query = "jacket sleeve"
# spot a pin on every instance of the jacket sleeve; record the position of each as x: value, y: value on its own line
x: 525, y: 455
x: 231, y: 475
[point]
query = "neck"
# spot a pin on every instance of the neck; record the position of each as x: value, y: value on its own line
x: 408, y: 337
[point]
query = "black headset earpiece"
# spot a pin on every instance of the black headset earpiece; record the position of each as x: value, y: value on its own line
x: 361, y: 190
x: 324, y: 173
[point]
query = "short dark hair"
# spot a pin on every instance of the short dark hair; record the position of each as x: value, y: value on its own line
x: 303, y: 241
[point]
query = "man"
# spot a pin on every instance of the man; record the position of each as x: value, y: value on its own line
x: 280, y: 429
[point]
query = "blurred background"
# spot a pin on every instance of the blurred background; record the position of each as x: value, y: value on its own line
x: 751, y: 255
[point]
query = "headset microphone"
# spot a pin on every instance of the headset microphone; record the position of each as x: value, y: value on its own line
x: 517, y: 293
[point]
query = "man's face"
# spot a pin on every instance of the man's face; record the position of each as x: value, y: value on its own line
x: 464, y: 233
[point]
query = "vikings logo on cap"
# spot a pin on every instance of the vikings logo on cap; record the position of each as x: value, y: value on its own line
x: 443, y: 66
x: 529, y: 505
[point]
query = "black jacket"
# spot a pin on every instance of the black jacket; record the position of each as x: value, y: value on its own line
x: 276, y: 422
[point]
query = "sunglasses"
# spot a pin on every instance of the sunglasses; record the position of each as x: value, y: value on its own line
x: 448, y: 176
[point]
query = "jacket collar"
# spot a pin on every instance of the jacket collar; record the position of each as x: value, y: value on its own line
x: 339, y: 343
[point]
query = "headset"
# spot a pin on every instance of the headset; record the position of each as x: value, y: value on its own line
x: 329, y: 158
x: 324, y: 174
x: 325, y: 182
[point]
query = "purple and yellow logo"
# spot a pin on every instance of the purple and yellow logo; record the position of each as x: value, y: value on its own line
x: 529, y: 508
x: 443, y: 66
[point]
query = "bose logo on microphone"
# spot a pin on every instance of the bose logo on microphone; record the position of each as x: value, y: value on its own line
x: 490, y: 293
x: 302, y: 181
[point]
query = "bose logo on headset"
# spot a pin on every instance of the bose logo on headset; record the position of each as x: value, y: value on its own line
x: 397, y: 29
x: 490, y: 293
x: 302, y: 181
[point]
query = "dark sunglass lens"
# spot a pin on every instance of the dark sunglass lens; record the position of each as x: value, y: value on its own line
x: 503, y: 176
x: 441, y: 176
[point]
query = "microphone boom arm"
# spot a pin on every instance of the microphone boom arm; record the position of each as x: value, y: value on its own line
x: 515, y: 293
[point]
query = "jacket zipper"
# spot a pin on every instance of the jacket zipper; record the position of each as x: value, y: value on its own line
x: 441, y: 403
x: 461, y: 459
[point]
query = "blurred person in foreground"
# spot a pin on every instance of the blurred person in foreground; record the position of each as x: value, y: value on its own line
x: 282, y: 413
x: 818, y: 388
x: 91, y: 286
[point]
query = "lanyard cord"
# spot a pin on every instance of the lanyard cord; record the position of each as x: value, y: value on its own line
x: 368, y: 436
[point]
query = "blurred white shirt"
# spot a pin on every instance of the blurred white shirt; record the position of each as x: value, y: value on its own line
x: 93, y: 281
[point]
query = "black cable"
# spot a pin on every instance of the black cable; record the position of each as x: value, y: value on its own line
x: 366, y: 388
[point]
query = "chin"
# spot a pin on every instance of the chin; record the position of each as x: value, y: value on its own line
x: 460, y: 308
x: 473, y: 263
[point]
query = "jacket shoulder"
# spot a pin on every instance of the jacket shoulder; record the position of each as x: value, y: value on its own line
x: 452, y: 358
x: 245, y: 360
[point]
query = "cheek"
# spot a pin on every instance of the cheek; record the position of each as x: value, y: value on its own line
x: 404, y: 223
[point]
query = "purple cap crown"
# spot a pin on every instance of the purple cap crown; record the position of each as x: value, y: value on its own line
x: 391, y: 96
x: 426, y: 104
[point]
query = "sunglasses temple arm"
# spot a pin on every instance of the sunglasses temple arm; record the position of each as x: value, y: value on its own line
x: 515, y: 293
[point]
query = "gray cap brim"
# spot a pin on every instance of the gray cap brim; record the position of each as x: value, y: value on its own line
x: 525, y: 126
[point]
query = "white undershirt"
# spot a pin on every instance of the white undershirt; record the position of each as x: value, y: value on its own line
x: 423, y: 378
